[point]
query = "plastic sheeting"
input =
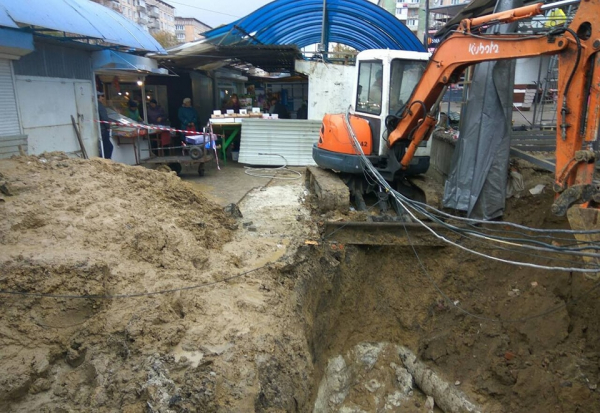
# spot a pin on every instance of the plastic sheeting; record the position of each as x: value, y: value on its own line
x: 477, y: 180
x: 81, y: 17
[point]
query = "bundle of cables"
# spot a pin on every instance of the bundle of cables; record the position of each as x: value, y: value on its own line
x: 555, y: 245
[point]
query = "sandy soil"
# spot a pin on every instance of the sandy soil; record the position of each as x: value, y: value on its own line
x: 94, y: 227
x: 261, y: 341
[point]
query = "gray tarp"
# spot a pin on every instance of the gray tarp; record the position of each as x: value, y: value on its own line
x: 477, y: 180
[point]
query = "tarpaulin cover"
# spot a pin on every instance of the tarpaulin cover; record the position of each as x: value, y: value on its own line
x: 478, y: 175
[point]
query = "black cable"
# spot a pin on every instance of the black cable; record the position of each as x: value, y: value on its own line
x: 541, y: 245
x: 493, y: 320
x: 132, y: 295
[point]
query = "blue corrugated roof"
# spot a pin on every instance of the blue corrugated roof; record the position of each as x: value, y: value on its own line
x: 356, y: 23
x: 80, y: 17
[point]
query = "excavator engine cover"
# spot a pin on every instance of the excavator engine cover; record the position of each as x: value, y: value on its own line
x: 335, y: 137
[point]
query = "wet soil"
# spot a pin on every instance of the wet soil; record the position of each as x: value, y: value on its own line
x: 181, y: 307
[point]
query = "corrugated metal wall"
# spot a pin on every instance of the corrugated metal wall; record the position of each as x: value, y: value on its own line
x: 288, y: 138
x: 49, y: 60
x: 9, y: 117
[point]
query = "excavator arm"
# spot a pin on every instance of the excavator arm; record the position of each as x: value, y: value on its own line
x: 578, y: 87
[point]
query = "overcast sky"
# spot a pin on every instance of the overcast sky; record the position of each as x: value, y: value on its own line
x: 215, y: 13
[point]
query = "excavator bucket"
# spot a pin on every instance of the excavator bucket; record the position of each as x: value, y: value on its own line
x: 400, y: 234
x: 332, y: 194
x: 586, y: 219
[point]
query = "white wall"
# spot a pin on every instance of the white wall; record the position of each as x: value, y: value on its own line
x: 46, y: 106
x: 330, y: 87
x: 527, y: 69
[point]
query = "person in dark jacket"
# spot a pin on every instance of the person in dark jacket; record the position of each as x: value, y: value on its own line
x: 188, y: 117
x: 232, y: 103
x: 156, y: 114
x: 107, y: 146
x: 279, y: 109
x: 302, y: 112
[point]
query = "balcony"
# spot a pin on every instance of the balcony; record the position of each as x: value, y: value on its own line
x: 142, y: 20
x: 154, y: 25
x: 153, y: 12
x: 141, y: 5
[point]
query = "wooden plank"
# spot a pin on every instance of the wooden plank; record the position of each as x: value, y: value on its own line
x: 382, y: 233
x: 81, y: 145
x: 542, y: 163
x: 528, y: 135
x: 533, y: 142
x: 532, y: 148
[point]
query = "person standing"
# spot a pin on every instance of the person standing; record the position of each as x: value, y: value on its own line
x: 132, y: 111
x: 232, y: 103
x: 279, y: 109
x: 156, y: 114
x: 188, y: 117
x: 107, y: 146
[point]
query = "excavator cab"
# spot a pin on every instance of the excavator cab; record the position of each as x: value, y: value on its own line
x: 385, y: 80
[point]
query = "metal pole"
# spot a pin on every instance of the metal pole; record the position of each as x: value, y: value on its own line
x: 558, y: 4
x: 324, y: 41
x: 537, y: 88
x: 426, y: 31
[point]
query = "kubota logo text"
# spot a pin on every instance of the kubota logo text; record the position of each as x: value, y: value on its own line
x: 481, y: 48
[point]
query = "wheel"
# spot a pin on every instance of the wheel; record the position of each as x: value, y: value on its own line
x: 175, y: 167
x: 201, y: 169
x: 195, y: 153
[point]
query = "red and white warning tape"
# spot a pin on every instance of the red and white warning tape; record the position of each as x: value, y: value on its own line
x: 164, y: 128
x: 155, y: 127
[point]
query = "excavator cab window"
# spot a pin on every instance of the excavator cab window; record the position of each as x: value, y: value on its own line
x: 370, y: 78
x: 405, y: 76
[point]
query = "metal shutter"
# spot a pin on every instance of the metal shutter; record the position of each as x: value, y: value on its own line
x: 9, y: 117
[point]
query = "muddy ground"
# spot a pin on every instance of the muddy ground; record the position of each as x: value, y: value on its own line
x: 153, y: 307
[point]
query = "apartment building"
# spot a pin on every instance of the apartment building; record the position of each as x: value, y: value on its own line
x: 411, y: 12
x: 153, y: 15
x: 188, y: 29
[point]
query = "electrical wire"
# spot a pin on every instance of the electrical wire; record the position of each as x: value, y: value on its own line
x: 403, y: 201
x: 279, y: 171
x: 130, y: 295
x: 405, y: 204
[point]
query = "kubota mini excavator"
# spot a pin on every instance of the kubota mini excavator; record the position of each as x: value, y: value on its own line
x: 578, y: 106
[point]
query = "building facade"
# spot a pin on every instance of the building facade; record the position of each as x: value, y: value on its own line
x: 189, y: 29
x: 412, y: 12
x: 153, y: 15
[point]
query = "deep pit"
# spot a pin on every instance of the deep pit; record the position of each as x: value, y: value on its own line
x: 265, y: 341
x: 380, y: 295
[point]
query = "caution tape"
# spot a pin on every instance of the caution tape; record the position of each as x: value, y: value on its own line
x: 155, y: 127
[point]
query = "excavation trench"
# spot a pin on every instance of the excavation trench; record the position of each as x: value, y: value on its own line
x: 196, y: 309
x: 363, y: 307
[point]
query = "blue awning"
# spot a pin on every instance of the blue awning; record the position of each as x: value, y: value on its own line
x: 80, y: 17
x: 14, y: 43
x: 356, y: 23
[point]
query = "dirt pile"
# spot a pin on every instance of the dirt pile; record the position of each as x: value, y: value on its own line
x: 96, y: 228
x: 272, y: 312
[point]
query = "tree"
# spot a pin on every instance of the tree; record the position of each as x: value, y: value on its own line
x: 165, y: 39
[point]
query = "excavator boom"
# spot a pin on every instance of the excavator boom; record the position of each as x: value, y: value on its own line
x: 578, y: 86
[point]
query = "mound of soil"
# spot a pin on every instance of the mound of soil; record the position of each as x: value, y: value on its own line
x: 152, y: 299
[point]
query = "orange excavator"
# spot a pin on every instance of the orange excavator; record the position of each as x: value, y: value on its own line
x: 578, y: 105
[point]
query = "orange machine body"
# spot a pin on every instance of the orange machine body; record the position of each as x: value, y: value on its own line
x: 334, y: 135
